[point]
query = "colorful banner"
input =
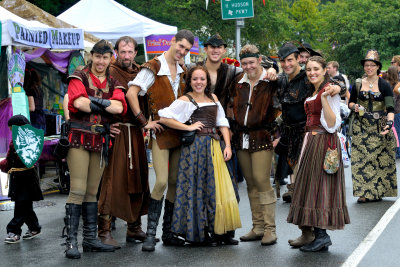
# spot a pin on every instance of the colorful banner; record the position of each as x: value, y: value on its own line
x: 158, y: 44
x: 57, y: 38
x: 16, y: 69
x: 28, y: 142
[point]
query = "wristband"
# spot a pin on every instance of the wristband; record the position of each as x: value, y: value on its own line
x: 141, y: 119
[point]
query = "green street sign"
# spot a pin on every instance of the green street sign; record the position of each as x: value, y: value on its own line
x: 237, y: 9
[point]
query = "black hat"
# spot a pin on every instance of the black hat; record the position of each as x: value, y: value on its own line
x: 18, y: 120
x: 215, y: 40
x: 286, y: 50
x: 372, y: 55
x: 102, y: 47
x: 307, y: 48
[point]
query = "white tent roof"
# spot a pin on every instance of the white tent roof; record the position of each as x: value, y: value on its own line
x: 6, y: 37
x: 7, y: 15
x: 110, y: 20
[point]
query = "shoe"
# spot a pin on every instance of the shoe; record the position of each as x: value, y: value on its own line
x: 267, y: 203
x: 90, y: 242
x: 153, y: 216
x: 134, y: 232
x: 12, y: 238
x: 362, y: 200
x: 257, y: 232
x: 287, y: 197
x: 30, y: 234
x: 71, y: 220
x: 307, y: 236
x: 104, y: 231
x: 168, y: 237
x: 321, y: 242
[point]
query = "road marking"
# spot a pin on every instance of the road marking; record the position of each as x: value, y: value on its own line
x: 362, y: 249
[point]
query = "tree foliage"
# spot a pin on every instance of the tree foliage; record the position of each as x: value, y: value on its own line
x: 343, y: 29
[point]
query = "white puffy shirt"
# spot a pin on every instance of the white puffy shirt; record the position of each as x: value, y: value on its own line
x: 181, y: 111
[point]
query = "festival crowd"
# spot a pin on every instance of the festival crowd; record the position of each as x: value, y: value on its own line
x: 212, y: 124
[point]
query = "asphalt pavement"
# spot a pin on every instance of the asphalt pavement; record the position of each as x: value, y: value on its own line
x: 48, y: 250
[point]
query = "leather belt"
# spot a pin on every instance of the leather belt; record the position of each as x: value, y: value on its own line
x: 92, y: 128
x: 316, y: 130
x: 373, y: 115
x: 207, y: 130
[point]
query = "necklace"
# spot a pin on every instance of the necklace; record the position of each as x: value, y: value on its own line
x: 371, y: 84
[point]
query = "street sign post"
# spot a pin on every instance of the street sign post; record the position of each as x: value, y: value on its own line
x: 237, y: 9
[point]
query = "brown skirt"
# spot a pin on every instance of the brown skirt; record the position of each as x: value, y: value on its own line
x: 319, y: 199
x: 124, y: 191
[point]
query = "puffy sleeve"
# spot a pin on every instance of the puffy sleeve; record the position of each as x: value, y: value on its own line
x: 221, y: 119
x: 76, y: 89
x: 145, y: 79
x: 334, y: 103
x: 179, y: 110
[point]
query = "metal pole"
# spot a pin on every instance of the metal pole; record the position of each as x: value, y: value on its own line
x: 238, y: 47
x: 145, y: 50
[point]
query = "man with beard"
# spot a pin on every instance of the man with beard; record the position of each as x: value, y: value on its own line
x: 124, y: 189
x: 305, y: 52
x: 161, y: 79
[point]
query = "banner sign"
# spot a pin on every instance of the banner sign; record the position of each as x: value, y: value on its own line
x: 28, y: 142
x: 158, y: 44
x: 16, y: 68
x: 58, y: 38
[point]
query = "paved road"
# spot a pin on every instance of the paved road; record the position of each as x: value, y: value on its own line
x: 47, y: 249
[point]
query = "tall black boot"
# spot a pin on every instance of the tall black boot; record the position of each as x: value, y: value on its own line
x: 321, y: 242
x: 72, y: 216
x: 153, y: 216
x: 90, y: 242
x: 168, y: 237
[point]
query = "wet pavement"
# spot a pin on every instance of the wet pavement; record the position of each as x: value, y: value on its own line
x: 47, y: 249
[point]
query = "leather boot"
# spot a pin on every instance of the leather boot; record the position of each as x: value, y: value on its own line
x: 134, y: 232
x: 287, y: 197
x: 104, y: 231
x: 73, y: 214
x: 267, y: 202
x: 168, y: 237
x: 321, y: 242
x: 227, y: 239
x: 152, y: 222
x: 90, y: 242
x: 307, y: 236
x: 257, y: 232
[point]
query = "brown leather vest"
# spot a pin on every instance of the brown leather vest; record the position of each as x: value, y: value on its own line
x: 161, y: 95
x: 90, y: 141
x: 261, y: 114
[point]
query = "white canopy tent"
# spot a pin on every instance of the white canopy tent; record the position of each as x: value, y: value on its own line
x: 110, y: 20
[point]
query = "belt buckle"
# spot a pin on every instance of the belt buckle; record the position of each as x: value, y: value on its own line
x: 376, y: 115
x: 93, y: 127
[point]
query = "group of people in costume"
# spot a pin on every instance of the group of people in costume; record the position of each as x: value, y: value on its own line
x: 238, y: 115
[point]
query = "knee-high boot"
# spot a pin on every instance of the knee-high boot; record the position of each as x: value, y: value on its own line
x: 307, y: 236
x: 257, y: 232
x: 321, y: 242
x: 90, y: 242
x: 168, y: 237
x: 134, y: 232
x: 104, y: 231
x: 267, y: 202
x: 73, y: 214
x: 152, y: 222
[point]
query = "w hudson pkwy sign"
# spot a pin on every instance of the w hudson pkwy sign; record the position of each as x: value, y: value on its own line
x: 237, y: 9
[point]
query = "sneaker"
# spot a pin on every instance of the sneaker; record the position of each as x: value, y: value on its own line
x: 30, y: 234
x: 12, y: 238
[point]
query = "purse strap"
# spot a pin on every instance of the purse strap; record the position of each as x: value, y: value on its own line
x: 192, y: 100
x: 330, y: 141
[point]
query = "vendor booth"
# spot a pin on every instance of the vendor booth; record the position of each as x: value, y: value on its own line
x: 30, y: 46
x: 117, y: 21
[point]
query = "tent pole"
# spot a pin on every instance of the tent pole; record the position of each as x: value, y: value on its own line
x: 145, y: 50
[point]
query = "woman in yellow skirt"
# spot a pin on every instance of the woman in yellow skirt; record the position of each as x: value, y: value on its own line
x: 205, y: 204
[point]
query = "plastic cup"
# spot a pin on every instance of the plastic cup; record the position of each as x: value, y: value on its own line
x: 361, y: 110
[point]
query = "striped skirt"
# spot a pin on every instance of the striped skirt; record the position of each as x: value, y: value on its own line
x: 319, y: 199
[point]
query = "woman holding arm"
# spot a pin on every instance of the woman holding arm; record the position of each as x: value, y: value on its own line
x: 205, y: 199
x: 373, y: 163
x: 319, y: 199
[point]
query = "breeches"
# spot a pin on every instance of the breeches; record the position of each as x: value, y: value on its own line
x: 256, y: 169
x: 85, y: 175
x: 165, y: 174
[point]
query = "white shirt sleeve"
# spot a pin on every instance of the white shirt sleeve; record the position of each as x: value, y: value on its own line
x: 179, y: 110
x: 145, y: 79
x: 221, y: 119
x: 334, y: 103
